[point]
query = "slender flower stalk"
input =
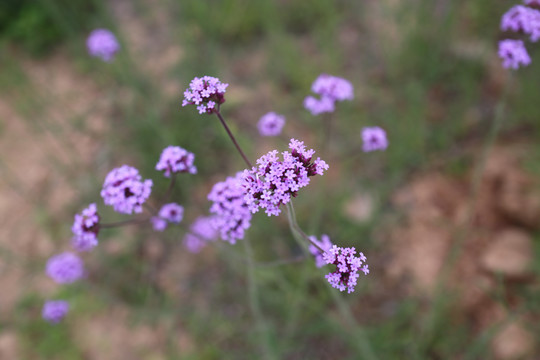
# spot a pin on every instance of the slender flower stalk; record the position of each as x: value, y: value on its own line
x: 231, y: 136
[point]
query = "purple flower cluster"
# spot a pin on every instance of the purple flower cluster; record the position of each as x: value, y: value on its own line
x: 347, y: 265
x: 175, y: 160
x: 521, y: 19
x: 65, y: 268
x: 54, y: 310
x: 513, y: 53
x: 103, y: 44
x: 202, y: 231
x: 232, y: 214
x: 374, y: 138
x: 85, y: 229
x: 271, y: 124
x: 324, y: 244
x: 273, y: 181
x: 172, y: 213
x: 331, y: 89
x: 207, y: 93
x: 124, y: 190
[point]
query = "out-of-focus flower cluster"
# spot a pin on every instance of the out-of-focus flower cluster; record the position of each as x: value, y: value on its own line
x: 54, y: 310
x: 374, y: 138
x: 201, y: 232
x: 524, y: 20
x: 103, y: 44
x: 172, y: 213
x: 325, y: 244
x: 207, y: 93
x: 85, y: 229
x: 65, y: 268
x: 331, y: 89
x: 273, y: 181
x: 232, y: 214
x: 271, y: 124
x: 174, y: 160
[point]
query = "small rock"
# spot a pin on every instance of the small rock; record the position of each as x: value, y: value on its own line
x: 510, y: 253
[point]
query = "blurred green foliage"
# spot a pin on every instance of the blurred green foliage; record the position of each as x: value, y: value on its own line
x: 39, y: 25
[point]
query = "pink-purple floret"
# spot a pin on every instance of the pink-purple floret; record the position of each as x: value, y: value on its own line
x: 325, y: 244
x: 513, y: 54
x: 274, y: 181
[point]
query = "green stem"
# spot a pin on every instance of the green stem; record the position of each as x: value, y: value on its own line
x: 360, y: 339
x: 231, y: 136
x: 254, y: 301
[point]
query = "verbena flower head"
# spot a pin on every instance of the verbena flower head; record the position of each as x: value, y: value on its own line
x: 203, y: 227
x: 348, y: 263
x: 158, y: 223
x: 103, y: 44
x: 522, y: 19
x: 202, y: 231
x: 333, y: 87
x: 324, y: 244
x: 65, y: 268
x: 193, y: 243
x: 54, y: 310
x: 207, y: 93
x: 271, y: 124
x: 85, y: 229
x: 175, y: 160
x: 513, y: 54
x: 319, y: 106
x: 125, y: 191
x: 273, y: 181
x: 232, y: 215
x: 172, y: 212
x: 374, y: 138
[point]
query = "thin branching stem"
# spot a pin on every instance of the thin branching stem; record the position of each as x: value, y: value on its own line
x: 231, y: 136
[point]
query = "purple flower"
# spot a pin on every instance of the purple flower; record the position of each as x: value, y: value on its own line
x: 103, y: 44
x: 513, y: 53
x: 85, y: 229
x: 347, y: 266
x: 232, y: 215
x: 158, y: 223
x: 193, y: 243
x: 271, y: 124
x: 316, y: 106
x: 65, y: 268
x: 202, y: 231
x: 374, y: 138
x: 532, y: 3
x: 333, y: 87
x: 124, y: 190
x: 324, y: 244
x: 273, y: 182
x: 172, y: 213
x: 207, y: 93
x: 54, y: 310
x: 175, y: 160
x: 203, y: 228
x: 524, y: 19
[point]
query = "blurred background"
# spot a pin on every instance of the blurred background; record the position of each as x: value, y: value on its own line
x: 448, y: 216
